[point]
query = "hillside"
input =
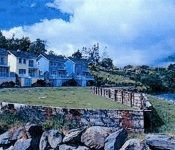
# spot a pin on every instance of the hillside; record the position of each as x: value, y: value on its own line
x: 142, y: 78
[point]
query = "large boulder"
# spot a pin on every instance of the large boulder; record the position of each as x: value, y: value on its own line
x: 23, y: 145
x: 33, y: 130
x: 72, y: 147
x: 11, y: 136
x: 160, y: 142
x: 50, y: 139
x: 115, y: 140
x: 94, y: 137
x: 134, y: 144
x: 73, y: 136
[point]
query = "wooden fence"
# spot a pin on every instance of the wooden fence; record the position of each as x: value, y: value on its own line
x: 128, y: 98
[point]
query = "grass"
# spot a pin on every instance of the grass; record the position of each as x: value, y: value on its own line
x: 163, y: 118
x: 68, y: 97
x: 164, y: 122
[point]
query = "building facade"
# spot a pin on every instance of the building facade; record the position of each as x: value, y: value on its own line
x: 5, y: 75
x: 23, y: 64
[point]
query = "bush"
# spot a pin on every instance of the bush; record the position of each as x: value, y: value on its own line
x: 71, y: 82
x: 7, y: 84
x: 41, y: 83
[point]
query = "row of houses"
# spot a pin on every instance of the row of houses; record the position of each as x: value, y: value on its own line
x: 28, y: 68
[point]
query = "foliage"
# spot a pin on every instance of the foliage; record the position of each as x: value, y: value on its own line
x: 93, y: 53
x: 41, y: 83
x: 71, y: 82
x: 77, y: 54
x: 24, y: 44
x: 7, y: 84
x: 37, y: 46
x: 107, y: 62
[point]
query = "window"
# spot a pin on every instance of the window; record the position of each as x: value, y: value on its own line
x: 31, y: 72
x: 20, y: 60
x: 2, y: 60
x: 31, y: 64
x: 3, y: 72
x: 24, y: 61
x: 53, y: 72
x: 22, y: 71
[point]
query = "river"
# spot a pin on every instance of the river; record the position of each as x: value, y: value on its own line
x: 167, y: 96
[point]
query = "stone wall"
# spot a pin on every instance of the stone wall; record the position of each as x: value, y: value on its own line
x: 131, y: 120
x: 125, y: 97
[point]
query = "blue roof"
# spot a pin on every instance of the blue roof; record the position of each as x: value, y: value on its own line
x: 23, y: 54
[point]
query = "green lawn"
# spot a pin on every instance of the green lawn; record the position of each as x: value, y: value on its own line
x: 69, y: 97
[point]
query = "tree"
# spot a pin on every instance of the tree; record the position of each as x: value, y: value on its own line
x: 107, y: 62
x: 38, y: 46
x: 93, y: 53
x: 77, y: 54
x: 170, y: 75
x: 2, y: 40
x: 24, y: 43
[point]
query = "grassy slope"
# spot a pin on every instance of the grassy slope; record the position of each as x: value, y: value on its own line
x: 166, y: 111
x: 114, y: 78
x: 70, y: 97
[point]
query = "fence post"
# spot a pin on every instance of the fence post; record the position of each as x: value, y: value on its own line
x: 122, y: 96
x: 130, y: 97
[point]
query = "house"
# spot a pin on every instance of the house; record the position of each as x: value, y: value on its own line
x: 58, y: 69
x: 24, y: 65
x: 43, y: 65
x: 53, y: 68
x: 78, y: 67
x: 5, y: 75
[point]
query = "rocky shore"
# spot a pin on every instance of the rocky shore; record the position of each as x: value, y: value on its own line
x: 33, y: 137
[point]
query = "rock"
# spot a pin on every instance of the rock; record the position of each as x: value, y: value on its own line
x: 94, y: 137
x: 23, y: 145
x: 9, y: 148
x: 50, y: 139
x: 72, y: 147
x: 4, y: 138
x: 16, y: 133
x: 115, y: 140
x: 134, y: 144
x: 33, y: 130
x: 160, y: 142
x: 73, y: 136
x: 11, y: 136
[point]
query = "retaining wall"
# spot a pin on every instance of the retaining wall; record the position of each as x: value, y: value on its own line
x: 131, y: 120
x: 128, y: 98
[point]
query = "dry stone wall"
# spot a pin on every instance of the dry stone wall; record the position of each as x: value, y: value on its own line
x: 128, y: 98
x: 131, y: 120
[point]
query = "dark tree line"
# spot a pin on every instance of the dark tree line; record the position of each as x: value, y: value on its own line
x: 24, y: 44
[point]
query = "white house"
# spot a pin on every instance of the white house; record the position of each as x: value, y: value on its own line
x: 24, y: 65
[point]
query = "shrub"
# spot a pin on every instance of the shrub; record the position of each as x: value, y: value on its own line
x: 41, y: 83
x: 71, y: 82
x: 7, y: 84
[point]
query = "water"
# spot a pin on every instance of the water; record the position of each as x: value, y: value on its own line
x: 167, y: 96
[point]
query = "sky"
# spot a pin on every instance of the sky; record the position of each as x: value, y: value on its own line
x: 135, y: 32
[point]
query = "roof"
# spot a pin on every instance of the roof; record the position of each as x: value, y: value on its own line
x: 78, y: 60
x: 23, y: 54
x: 3, y: 51
x: 54, y: 57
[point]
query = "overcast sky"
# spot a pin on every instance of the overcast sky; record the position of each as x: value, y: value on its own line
x: 135, y: 32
